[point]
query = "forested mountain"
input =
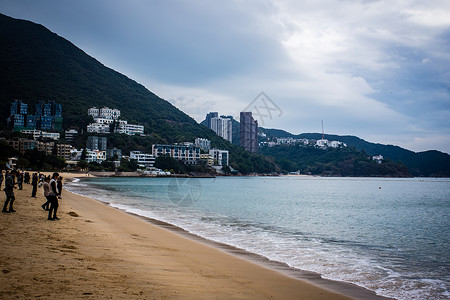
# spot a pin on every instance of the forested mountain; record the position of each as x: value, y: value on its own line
x: 427, y: 163
x: 345, y: 161
x: 36, y: 64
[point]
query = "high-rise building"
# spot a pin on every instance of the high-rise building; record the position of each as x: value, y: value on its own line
x: 249, y: 132
x: 48, y: 115
x: 96, y: 143
x: 209, y: 117
x: 19, y: 115
x: 222, y: 127
x: 18, y: 107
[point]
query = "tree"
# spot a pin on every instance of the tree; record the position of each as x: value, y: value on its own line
x: 168, y: 163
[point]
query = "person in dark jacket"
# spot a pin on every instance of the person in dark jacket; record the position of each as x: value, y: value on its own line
x: 59, y: 186
x: 1, y: 178
x: 20, y: 180
x: 34, y: 184
x: 9, y: 191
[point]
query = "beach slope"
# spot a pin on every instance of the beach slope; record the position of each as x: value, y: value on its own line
x: 99, y: 252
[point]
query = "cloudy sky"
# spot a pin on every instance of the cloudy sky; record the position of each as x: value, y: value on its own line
x: 379, y: 70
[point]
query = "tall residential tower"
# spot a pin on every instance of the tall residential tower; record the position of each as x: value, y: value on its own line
x: 249, y: 132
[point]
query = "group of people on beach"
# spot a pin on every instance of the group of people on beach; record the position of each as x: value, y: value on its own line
x: 52, y: 186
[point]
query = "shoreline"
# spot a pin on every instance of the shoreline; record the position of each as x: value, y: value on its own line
x: 344, y: 288
x: 98, y: 251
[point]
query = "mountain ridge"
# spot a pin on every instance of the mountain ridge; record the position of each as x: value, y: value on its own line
x: 41, y: 65
x: 424, y: 163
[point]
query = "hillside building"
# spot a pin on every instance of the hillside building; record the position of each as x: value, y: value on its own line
x: 220, y: 157
x: 36, y: 134
x: 143, y: 159
x: 248, y: 132
x: 187, y: 153
x: 203, y: 144
x: 222, y: 127
x: 97, y: 156
x: 104, y: 113
x: 209, y: 116
x: 110, y: 153
x: 48, y: 116
x: 105, y: 117
x: 97, y: 143
x: 70, y: 135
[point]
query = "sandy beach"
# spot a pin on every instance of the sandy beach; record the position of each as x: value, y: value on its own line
x: 99, y: 252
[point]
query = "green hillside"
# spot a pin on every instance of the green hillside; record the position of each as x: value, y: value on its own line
x: 428, y: 163
x: 37, y: 64
x: 346, y: 161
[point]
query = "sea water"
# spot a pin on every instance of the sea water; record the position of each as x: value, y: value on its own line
x: 388, y: 235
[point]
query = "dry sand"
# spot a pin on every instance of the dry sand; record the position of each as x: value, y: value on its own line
x: 98, y: 252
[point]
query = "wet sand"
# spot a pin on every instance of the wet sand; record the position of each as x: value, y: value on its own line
x: 99, y: 252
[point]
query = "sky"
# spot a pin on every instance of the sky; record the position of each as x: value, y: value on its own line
x: 379, y: 70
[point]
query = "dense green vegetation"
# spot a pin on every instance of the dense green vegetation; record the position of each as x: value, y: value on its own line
x: 37, y: 64
x: 428, y: 163
x: 346, y: 161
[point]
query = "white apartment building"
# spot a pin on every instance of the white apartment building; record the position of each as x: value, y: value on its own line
x: 188, y: 153
x: 221, y: 157
x: 104, y: 120
x: 322, y: 143
x: 95, y: 156
x: 105, y: 112
x: 222, y: 127
x: 130, y: 129
x: 203, y: 144
x: 98, y: 128
x: 106, y: 116
x: 378, y: 158
x: 93, y: 111
x: 42, y: 134
x: 148, y: 160
x: 326, y: 143
x: 336, y: 144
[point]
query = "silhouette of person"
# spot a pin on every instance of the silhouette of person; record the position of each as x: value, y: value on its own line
x: 20, y: 180
x: 59, y: 186
x: 9, y: 191
x: 34, y: 183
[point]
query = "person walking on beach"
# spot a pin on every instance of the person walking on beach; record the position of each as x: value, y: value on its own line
x: 46, y: 187
x: 34, y: 184
x: 20, y: 180
x: 53, y: 198
x: 27, y: 177
x: 1, y: 178
x: 59, y: 186
x: 9, y: 191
